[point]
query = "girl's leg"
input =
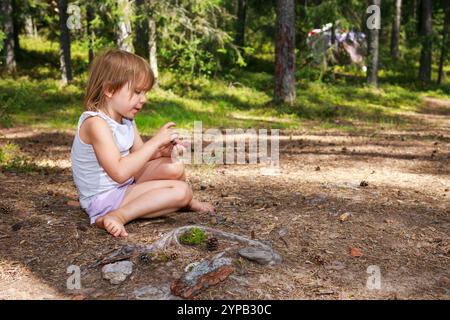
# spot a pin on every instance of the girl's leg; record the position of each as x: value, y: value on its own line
x: 146, y: 200
x: 163, y: 168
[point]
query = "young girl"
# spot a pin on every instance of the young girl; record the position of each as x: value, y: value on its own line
x: 120, y: 178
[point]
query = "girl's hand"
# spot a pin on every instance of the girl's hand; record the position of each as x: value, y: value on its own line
x: 179, y: 146
x: 166, y: 135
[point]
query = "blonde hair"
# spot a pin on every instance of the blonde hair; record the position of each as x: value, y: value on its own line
x: 111, y: 70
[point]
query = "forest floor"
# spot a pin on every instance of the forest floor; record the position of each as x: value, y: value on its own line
x: 399, y: 221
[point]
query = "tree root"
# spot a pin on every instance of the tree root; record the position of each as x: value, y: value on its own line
x: 171, y: 238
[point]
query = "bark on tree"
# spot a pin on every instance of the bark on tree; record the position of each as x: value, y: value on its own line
x: 15, y: 17
x: 285, y: 53
x: 140, y: 29
x: 426, y: 25
x: 30, y: 26
x: 64, y: 42
x: 8, y: 28
x: 153, y: 59
x: 374, y: 44
x: 445, y: 44
x: 240, y: 26
x: 124, y: 36
x: 395, y: 37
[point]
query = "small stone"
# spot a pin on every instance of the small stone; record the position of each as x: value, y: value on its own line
x: 224, y: 194
x: 213, y: 221
x: 260, y: 256
x: 317, y: 168
x: 117, y: 272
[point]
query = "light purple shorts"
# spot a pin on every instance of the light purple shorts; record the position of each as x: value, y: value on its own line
x: 106, y: 202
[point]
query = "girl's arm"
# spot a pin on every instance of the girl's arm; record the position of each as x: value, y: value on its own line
x: 119, y: 168
x: 138, y: 143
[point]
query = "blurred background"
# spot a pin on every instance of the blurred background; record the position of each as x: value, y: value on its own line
x: 361, y: 93
x: 217, y: 61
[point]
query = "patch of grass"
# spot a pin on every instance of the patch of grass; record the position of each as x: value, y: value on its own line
x: 194, y: 236
x: 241, y: 98
x: 11, y: 159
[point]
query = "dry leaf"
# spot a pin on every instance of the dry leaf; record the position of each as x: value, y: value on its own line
x: 355, y: 252
x: 344, y: 217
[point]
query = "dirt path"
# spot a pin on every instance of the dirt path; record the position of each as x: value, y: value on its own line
x: 400, y: 221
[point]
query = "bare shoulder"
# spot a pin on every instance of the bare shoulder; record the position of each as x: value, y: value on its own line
x: 92, y: 128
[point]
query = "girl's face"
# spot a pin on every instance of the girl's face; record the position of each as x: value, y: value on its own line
x: 124, y: 103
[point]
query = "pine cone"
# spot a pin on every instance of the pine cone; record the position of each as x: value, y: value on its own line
x: 144, y: 258
x: 212, y: 244
x: 173, y: 256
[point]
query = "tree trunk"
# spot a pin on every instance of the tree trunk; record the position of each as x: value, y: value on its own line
x: 30, y: 26
x: 124, y: 37
x: 15, y: 17
x: 140, y: 41
x: 8, y: 28
x: 240, y: 26
x: 90, y: 31
x: 445, y: 44
x: 64, y: 41
x: 426, y: 33
x: 285, y: 53
x: 395, y: 37
x: 374, y: 44
x: 153, y: 60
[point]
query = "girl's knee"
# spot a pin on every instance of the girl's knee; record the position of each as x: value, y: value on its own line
x: 176, y: 171
x: 183, y: 193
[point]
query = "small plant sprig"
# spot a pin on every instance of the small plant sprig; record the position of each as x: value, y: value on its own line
x: 194, y: 236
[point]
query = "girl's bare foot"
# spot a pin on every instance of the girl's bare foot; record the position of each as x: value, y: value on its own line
x: 112, y: 222
x: 203, y: 207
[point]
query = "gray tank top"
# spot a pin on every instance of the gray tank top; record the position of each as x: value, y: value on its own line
x: 89, y: 177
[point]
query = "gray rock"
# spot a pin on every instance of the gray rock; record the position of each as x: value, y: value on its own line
x: 260, y: 256
x: 117, y: 272
x: 154, y: 293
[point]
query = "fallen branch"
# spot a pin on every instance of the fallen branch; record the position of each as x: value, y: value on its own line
x: 171, y: 238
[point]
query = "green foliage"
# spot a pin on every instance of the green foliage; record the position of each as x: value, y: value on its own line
x: 194, y: 236
x: 2, y: 38
x: 191, y: 38
x: 12, y: 160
